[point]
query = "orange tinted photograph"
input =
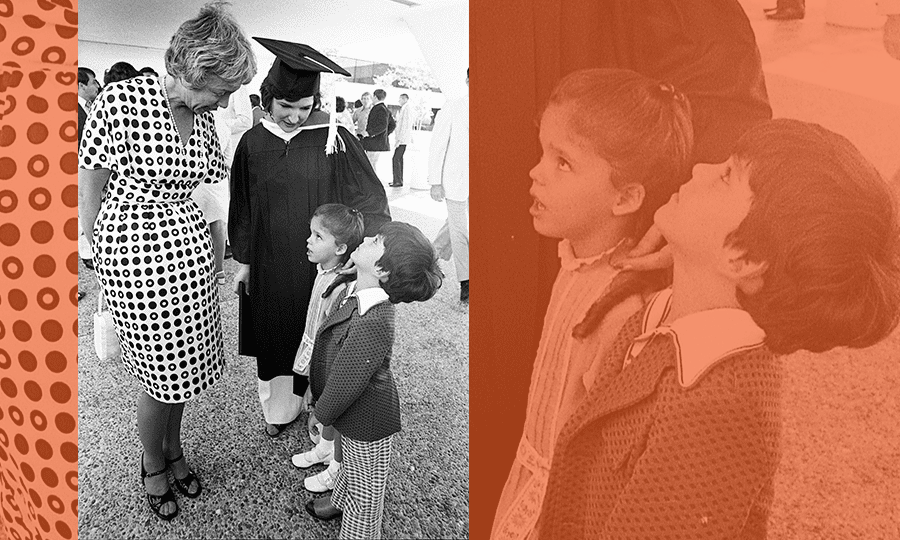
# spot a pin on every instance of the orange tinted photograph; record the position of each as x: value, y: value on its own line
x: 687, y: 262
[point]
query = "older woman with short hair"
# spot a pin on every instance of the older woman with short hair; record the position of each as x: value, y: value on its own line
x: 148, y: 142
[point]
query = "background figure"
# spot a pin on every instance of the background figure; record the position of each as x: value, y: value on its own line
x: 213, y: 199
x: 448, y: 174
x: 402, y: 138
x: 119, y: 72
x: 786, y: 10
x: 361, y: 114
x: 344, y: 117
x: 378, y: 128
x: 88, y: 88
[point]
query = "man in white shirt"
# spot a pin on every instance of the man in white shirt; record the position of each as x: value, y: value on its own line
x: 448, y: 174
x: 402, y: 137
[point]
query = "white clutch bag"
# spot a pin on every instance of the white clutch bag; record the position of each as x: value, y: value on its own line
x: 106, y: 344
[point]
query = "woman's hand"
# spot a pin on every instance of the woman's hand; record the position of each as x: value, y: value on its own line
x: 651, y: 253
x: 242, y: 276
x: 437, y: 192
x: 349, y: 268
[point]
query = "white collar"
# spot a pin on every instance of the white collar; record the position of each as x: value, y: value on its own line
x: 84, y: 103
x: 331, y: 270
x: 276, y: 130
x: 701, y: 339
x: 366, y: 298
x: 569, y: 261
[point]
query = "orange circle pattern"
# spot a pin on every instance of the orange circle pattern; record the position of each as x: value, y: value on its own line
x: 38, y: 269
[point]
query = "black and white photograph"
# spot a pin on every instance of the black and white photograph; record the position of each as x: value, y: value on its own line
x: 273, y: 277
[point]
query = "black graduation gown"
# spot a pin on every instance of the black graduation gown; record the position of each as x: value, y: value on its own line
x: 275, y: 188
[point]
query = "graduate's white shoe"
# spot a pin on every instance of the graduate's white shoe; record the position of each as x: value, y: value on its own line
x: 322, y: 453
x: 324, y: 481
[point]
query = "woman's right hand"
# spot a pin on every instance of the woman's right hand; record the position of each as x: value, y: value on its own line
x: 651, y: 253
x: 242, y: 276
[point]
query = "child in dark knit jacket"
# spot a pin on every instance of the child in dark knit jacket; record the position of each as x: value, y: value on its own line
x: 350, y: 371
x: 791, y: 244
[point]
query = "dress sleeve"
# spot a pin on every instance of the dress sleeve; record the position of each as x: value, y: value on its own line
x: 357, y: 185
x: 239, y: 207
x: 364, y: 349
x: 218, y: 171
x: 704, y: 466
x: 97, y: 150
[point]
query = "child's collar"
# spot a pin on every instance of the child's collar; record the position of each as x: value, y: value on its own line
x: 701, y: 339
x: 569, y: 261
x: 366, y: 298
x: 323, y: 270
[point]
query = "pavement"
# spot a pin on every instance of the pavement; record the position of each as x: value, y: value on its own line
x: 840, y: 472
x: 251, y: 490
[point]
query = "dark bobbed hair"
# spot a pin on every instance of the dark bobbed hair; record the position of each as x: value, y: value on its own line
x: 85, y: 74
x: 411, y: 263
x: 268, y: 92
x: 641, y: 126
x: 119, y: 71
x: 339, y: 104
x: 254, y: 100
x: 344, y: 223
x: 825, y: 223
x: 148, y: 71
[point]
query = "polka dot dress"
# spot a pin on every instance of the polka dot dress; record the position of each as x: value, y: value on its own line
x: 152, y: 249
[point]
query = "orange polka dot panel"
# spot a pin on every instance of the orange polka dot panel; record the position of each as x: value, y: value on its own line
x: 38, y: 269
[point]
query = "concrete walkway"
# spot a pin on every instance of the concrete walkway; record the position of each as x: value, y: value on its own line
x: 251, y: 490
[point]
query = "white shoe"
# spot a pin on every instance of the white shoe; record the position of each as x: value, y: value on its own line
x: 322, y: 482
x: 319, y: 454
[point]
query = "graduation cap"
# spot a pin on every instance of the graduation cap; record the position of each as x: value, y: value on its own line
x: 297, y: 67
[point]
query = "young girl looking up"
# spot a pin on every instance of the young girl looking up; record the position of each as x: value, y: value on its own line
x: 350, y: 371
x: 615, y: 146
x: 791, y: 244
x: 335, y: 232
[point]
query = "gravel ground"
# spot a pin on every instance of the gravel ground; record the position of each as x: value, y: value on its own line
x: 250, y: 488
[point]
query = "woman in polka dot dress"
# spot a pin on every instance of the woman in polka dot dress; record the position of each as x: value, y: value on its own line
x: 147, y: 144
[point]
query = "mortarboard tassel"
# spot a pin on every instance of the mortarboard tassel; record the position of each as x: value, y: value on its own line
x: 332, y: 128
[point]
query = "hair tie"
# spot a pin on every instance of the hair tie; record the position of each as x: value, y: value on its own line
x: 354, y: 211
x: 668, y: 91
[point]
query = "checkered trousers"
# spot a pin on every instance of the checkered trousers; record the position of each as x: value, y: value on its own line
x: 360, y: 485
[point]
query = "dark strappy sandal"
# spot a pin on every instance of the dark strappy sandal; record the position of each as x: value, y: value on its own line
x: 157, y: 501
x: 184, y: 484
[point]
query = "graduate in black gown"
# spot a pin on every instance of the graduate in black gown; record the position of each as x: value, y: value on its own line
x: 284, y: 168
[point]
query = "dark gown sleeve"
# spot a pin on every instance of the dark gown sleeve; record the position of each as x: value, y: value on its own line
x: 239, y: 209
x: 357, y: 185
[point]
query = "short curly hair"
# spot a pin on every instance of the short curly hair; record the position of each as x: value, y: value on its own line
x: 211, y: 44
x: 411, y: 263
x: 825, y: 223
